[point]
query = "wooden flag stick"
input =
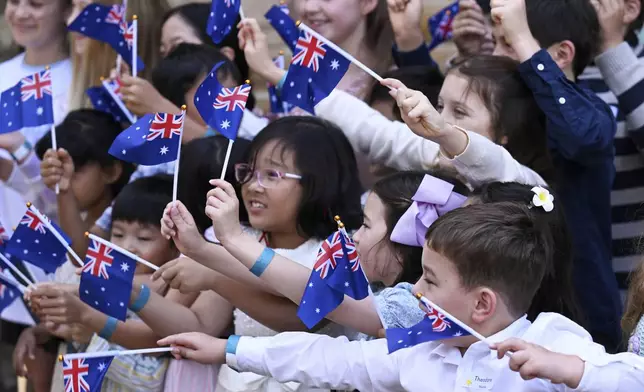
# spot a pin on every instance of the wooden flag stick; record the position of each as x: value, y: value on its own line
x: 119, y: 249
x: 175, y: 184
x: 115, y: 353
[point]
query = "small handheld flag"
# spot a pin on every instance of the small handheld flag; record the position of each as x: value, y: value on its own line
x: 316, y: 68
x: 285, y: 26
x: 222, y: 19
x: 106, y: 279
x: 85, y: 374
x: 38, y: 241
x: 336, y: 273
x: 4, y: 237
x: 278, y: 106
x: 106, y: 99
x: 440, y: 25
x: 153, y: 139
x: 29, y: 103
x: 107, y: 24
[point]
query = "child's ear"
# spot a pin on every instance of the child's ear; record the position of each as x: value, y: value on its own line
x: 632, y: 9
x: 367, y: 6
x: 563, y: 53
x: 486, y: 304
x: 112, y: 173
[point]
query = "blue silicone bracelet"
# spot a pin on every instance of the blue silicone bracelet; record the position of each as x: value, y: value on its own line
x: 109, y: 328
x: 262, y: 262
x: 231, y: 344
x: 141, y: 300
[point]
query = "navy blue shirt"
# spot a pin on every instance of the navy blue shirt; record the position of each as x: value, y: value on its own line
x: 580, y: 131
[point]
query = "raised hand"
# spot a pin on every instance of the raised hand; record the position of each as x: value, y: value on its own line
x: 405, y: 17
x: 196, y: 346
x: 472, y: 34
x: 254, y: 43
x: 57, y: 167
x: 185, y: 275
x: 222, y: 207
x: 177, y: 223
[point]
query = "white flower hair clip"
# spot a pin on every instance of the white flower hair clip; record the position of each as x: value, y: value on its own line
x: 542, y: 198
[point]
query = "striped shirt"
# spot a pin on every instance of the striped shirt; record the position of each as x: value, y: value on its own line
x: 617, y: 77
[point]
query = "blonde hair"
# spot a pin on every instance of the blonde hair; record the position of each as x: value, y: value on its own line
x: 99, y: 58
x: 634, y: 302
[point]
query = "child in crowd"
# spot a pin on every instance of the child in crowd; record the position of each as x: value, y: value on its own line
x: 88, y: 177
x: 135, y: 228
x: 481, y: 263
x: 633, y: 320
x: 299, y: 173
x: 580, y: 128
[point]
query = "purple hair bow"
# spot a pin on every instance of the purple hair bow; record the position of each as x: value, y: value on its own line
x: 433, y: 199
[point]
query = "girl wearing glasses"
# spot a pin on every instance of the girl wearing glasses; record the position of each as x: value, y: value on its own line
x: 298, y: 173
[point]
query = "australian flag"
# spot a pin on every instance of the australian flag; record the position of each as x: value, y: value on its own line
x: 106, y: 98
x: 435, y: 326
x: 4, y: 237
x: 8, y: 290
x: 152, y: 140
x: 336, y: 273
x: 220, y: 107
x: 222, y: 19
x: 285, y: 26
x: 107, y: 24
x: 278, y: 106
x: 85, y: 374
x: 440, y: 25
x: 106, y: 280
x: 314, y: 72
x: 27, y: 104
x: 32, y: 241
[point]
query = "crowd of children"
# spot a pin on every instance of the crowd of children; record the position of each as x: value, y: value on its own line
x: 499, y: 194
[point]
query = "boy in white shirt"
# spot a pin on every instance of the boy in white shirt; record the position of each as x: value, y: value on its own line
x: 482, y: 264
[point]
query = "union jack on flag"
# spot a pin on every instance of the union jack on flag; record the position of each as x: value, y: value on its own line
x: 311, y: 51
x: 435, y: 326
x: 231, y: 99
x: 223, y: 114
x: 116, y: 15
x: 106, y: 279
x: 98, y: 259
x: 128, y: 33
x: 85, y: 374
x: 36, y: 86
x: 32, y: 221
x: 150, y: 140
x: 336, y: 273
x: 3, y: 237
x: 440, y: 25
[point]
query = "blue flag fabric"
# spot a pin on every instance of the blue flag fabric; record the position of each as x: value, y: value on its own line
x: 107, y: 24
x: 435, y: 326
x: 152, y: 140
x: 32, y: 241
x: 220, y: 107
x: 85, y: 374
x: 4, y: 238
x: 440, y: 25
x: 278, y: 106
x: 29, y: 103
x: 106, y: 280
x: 314, y: 72
x: 111, y: 104
x: 222, y: 19
x: 284, y: 25
x: 336, y: 273
x: 9, y: 292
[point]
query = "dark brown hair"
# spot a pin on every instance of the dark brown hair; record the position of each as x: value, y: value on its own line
x: 379, y: 35
x: 634, y: 301
x: 513, y: 110
x: 395, y: 191
x: 498, y: 245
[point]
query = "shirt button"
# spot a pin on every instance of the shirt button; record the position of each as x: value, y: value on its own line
x: 540, y: 67
x: 562, y: 100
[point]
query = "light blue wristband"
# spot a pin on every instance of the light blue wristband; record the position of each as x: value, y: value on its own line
x: 231, y: 344
x: 109, y: 328
x: 141, y: 300
x: 262, y: 262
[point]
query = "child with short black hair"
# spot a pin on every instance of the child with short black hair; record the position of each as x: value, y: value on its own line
x: 555, y: 40
x: 481, y: 263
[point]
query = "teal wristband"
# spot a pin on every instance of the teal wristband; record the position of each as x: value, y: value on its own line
x: 141, y: 300
x: 262, y: 262
x: 109, y: 328
x: 280, y: 84
x: 231, y: 344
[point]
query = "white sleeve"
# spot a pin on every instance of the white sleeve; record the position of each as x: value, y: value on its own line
x: 319, y: 361
x: 484, y: 161
x: 390, y: 143
x: 622, y: 372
